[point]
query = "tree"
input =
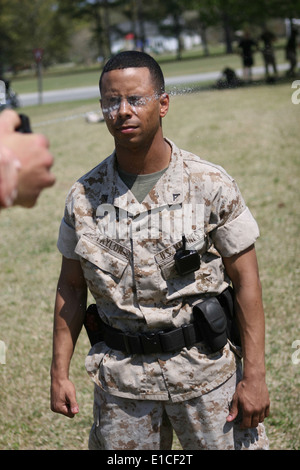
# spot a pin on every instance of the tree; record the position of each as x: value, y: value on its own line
x: 96, y: 13
x: 233, y: 14
x: 135, y: 11
x: 169, y: 15
x: 29, y: 24
x: 206, y: 18
x: 4, y: 37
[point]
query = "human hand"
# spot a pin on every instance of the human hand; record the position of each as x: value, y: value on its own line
x: 63, y: 398
x: 30, y: 157
x: 9, y: 168
x: 252, y: 399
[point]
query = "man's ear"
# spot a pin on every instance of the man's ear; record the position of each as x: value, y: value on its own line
x: 164, y: 104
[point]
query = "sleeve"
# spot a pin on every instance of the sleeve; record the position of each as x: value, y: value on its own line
x: 67, y: 239
x: 236, y: 229
x: 236, y: 235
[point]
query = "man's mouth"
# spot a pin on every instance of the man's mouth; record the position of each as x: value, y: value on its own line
x: 127, y: 129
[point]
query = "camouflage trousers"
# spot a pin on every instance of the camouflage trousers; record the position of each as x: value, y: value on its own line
x: 200, y: 423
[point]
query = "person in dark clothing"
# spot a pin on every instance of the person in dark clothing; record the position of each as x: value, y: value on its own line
x: 291, y: 52
x: 268, y: 39
x: 248, y: 46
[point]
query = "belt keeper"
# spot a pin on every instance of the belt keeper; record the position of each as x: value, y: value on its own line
x: 189, y: 335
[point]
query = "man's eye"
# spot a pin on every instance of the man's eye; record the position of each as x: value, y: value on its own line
x: 113, y: 101
x: 136, y: 100
x: 110, y: 104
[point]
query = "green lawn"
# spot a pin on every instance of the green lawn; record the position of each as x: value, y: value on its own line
x: 254, y: 133
x: 64, y: 78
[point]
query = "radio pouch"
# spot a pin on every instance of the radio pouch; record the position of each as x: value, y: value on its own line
x: 211, y: 319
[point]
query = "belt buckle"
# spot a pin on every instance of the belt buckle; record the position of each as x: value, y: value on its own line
x: 151, y: 342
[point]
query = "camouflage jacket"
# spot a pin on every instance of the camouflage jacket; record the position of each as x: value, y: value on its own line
x: 126, y: 250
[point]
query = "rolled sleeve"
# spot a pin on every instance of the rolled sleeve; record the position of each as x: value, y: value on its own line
x: 67, y: 241
x: 236, y: 235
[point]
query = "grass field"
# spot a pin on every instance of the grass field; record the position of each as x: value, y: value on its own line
x: 254, y: 133
x: 65, y: 78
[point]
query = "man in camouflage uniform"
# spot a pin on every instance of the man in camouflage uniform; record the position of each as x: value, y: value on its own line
x: 124, y: 224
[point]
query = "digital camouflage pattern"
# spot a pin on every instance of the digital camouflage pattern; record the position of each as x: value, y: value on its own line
x: 200, y: 423
x: 126, y: 250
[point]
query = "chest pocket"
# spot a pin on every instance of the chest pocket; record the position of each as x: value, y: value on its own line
x: 107, y: 255
x: 165, y: 258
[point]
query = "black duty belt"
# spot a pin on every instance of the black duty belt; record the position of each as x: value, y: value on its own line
x: 176, y: 339
x: 146, y: 343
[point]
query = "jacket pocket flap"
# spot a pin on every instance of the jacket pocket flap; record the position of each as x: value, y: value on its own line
x: 102, y: 257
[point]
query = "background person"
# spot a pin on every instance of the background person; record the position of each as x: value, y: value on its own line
x: 247, y: 46
x: 268, y: 39
x: 291, y: 52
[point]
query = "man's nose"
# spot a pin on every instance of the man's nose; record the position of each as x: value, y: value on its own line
x: 124, y: 107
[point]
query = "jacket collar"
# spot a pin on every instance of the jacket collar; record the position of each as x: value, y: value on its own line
x: 168, y: 190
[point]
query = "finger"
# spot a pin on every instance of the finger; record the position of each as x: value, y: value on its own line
x: 40, y: 146
x: 41, y: 140
x: 9, y: 121
x: 233, y: 411
x: 264, y: 414
x: 8, y: 177
x: 73, y: 409
x: 251, y: 420
x: 66, y: 410
x: 255, y: 421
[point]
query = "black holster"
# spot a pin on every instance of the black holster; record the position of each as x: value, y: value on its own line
x: 211, y: 319
x: 215, y: 317
x: 226, y: 299
x: 92, y: 324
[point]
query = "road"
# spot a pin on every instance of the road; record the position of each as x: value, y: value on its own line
x: 84, y: 93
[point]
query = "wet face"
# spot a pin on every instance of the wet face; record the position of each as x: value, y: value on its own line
x: 131, y: 106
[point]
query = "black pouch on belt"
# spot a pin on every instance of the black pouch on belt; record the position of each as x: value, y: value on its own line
x: 92, y: 324
x: 211, y: 319
x: 226, y: 299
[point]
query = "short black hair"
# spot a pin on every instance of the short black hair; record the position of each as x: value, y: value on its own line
x: 136, y: 59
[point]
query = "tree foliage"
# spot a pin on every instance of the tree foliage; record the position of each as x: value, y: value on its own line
x: 49, y: 24
x: 26, y: 25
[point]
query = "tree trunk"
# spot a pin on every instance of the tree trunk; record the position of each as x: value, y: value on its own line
x: 227, y: 32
